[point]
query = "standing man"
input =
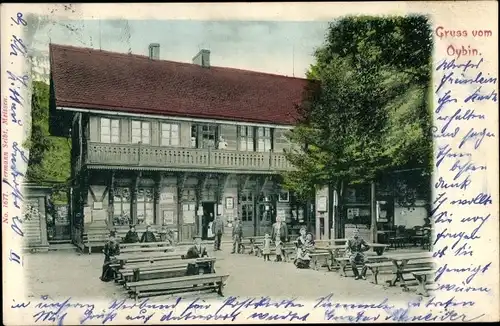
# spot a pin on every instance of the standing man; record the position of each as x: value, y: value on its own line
x: 237, y: 236
x: 355, y: 248
x: 217, y: 230
x: 279, y: 235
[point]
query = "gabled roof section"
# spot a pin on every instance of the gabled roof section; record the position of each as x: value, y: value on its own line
x: 94, y: 79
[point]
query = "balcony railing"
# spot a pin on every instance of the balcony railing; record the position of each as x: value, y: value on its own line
x: 172, y: 157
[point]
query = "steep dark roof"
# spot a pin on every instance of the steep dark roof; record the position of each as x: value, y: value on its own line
x: 95, y: 79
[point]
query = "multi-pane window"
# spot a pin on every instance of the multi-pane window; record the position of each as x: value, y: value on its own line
x: 141, y: 132
x: 263, y: 139
x: 110, y: 130
x: 246, y: 208
x: 208, y: 136
x: 145, y: 206
x: 246, y: 138
x: 169, y: 134
x: 121, y: 207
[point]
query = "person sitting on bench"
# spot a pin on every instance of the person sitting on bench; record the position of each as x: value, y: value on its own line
x: 148, y: 236
x: 355, y: 248
x: 131, y: 236
x: 197, y: 251
x: 303, y: 258
x: 111, y: 249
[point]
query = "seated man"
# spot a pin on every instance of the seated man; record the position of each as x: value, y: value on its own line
x: 111, y: 249
x: 197, y: 251
x: 131, y: 236
x: 355, y: 248
x: 148, y: 235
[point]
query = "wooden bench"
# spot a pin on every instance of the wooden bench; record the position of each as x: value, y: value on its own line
x: 251, y: 243
x: 97, y: 239
x: 375, y: 267
x: 409, y: 278
x: 344, y: 263
x: 141, y: 274
x: 423, y: 278
x: 319, y: 255
x: 192, y: 283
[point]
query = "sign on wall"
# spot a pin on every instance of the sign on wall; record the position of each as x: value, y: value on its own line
x: 167, y: 198
x: 168, y: 217
x: 188, y: 217
x: 322, y: 204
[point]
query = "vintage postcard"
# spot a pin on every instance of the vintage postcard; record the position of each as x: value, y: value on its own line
x: 250, y: 163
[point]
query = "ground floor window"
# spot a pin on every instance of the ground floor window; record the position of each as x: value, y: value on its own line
x: 121, y: 207
x: 247, y: 207
x: 145, y: 206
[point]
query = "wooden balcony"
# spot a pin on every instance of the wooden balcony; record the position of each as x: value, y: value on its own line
x: 173, y: 158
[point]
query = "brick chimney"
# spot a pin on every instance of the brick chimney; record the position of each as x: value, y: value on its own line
x: 202, y: 58
x: 154, y: 51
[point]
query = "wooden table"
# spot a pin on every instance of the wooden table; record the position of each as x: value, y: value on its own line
x: 400, y: 261
x: 146, y: 256
x: 144, y: 244
x: 146, y: 249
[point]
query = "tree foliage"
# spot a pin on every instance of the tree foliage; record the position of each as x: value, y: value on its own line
x: 366, y: 111
x: 49, y: 157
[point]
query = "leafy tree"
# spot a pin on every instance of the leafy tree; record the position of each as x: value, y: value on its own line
x: 49, y: 157
x: 365, y: 113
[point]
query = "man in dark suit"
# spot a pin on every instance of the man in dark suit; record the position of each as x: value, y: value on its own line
x: 131, y: 236
x: 217, y: 230
x: 197, y: 251
x: 148, y: 235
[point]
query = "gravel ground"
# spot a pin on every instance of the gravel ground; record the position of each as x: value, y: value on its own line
x: 70, y: 274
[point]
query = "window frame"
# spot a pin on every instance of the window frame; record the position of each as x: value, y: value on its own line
x: 247, y: 201
x: 244, y: 139
x: 142, y: 137
x: 110, y: 129
x: 267, y: 140
x: 162, y: 132
x: 145, y: 203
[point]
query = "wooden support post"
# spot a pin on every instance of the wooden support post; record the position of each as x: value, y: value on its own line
x: 111, y: 195
x: 373, y: 214
x: 181, y: 181
x: 156, y: 198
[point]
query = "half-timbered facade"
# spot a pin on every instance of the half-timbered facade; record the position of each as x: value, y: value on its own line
x: 172, y: 144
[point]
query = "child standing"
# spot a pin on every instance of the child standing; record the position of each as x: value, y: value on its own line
x: 266, y: 248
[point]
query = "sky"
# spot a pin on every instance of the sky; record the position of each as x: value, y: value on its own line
x: 278, y: 47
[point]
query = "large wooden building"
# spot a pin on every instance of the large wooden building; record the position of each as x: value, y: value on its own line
x: 172, y: 144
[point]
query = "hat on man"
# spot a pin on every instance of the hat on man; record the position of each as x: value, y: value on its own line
x: 112, y: 233
x: 196, y: 237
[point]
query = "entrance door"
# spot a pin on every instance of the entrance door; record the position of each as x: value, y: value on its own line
x: 61, y: 225
x: 263, y: 221
x: 247, y: 215
x: 208, y: 216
